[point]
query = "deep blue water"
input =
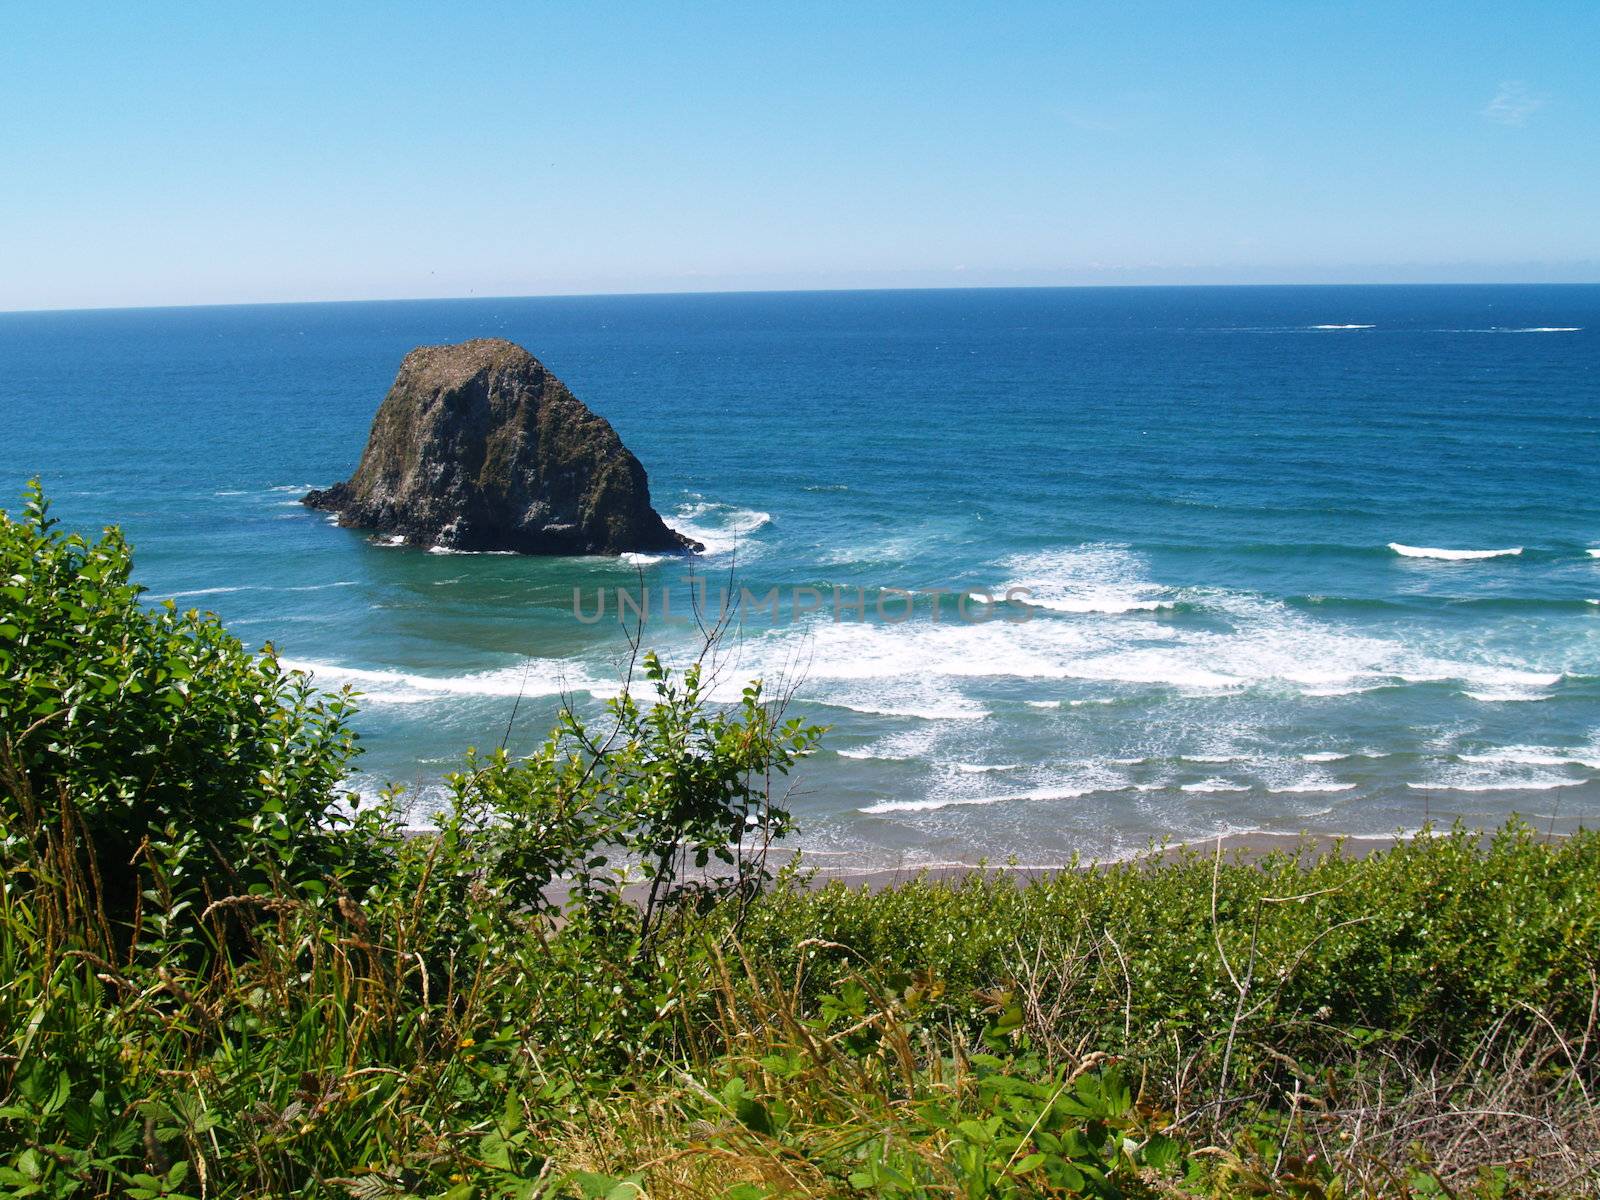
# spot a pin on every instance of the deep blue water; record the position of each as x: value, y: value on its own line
x: 1199, y: 486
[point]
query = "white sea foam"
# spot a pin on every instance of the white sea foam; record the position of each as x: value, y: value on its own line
x: 956, y: 710
x: 1452, y: 555
x: 984, y: 768
x: 1594, y: 553
x: 1543, y: 784
x: 641, y: 560
x: 1537, y: 756
x: 212, y: 591
x: 1549, y: 329
x: 1342, y: 327
x: 1315, y: 786
x: 537, y: 677
x: 922, y: 668
x: 903, y: 746
x: 721, y: 528
x: 1111, y: 607
x: 1215, y: 785
x: 931, y: 803
x: 1094, y: 578
x: 453, y: 550
x: 1325, y: 756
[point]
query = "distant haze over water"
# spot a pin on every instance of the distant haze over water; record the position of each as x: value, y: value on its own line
x: 1298, y: 558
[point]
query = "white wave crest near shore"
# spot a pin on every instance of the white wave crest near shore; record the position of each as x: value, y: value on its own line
x: 1451, y: 555
x: 1097, y: 577
x: 1342, y: 327
x: 211, y: 591
x: 1497, y: 785
x: 933, y: 803
x: 720, y: 528
x: 534, y: 678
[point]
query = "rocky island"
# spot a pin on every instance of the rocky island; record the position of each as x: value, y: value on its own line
x: 478, y: 447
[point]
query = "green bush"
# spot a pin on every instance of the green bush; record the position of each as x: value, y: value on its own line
x: 132, y: 732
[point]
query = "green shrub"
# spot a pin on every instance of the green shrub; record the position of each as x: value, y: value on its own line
x: 130, y: 732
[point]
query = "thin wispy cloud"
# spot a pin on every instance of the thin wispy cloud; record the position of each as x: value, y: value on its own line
x: 1513, y: 104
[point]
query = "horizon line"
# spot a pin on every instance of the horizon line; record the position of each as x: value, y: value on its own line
x: 819, y: 291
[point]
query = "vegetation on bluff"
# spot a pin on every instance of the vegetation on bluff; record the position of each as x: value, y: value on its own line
x: 220, y: 976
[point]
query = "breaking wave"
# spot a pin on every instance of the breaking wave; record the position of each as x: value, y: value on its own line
x: 536, y: 677
x: 721, y: 528
x: 1451, y: 555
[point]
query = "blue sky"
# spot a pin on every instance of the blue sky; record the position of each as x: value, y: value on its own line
x: 155, y: 154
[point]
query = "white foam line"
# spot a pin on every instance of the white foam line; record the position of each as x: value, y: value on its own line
x: 212, y: 591
x: 1451, y: 555
x: 1342, y: 327
x: 1105, y: 607
x: 890, y: 710
x: 1508, y: 785
x: 1516, y: 755
x: 401, y: 687
x: 893, y: 806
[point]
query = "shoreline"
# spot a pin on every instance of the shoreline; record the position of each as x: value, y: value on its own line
x: 1237, y: 848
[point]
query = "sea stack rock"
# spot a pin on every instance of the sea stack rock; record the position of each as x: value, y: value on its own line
x: 478, y: 447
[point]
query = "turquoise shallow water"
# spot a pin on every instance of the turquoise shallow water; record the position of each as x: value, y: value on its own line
x: 1199, y: 487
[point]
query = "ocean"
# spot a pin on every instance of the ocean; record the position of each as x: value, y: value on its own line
x: 1318, y: 559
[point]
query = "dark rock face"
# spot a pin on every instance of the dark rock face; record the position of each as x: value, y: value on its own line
x: 478, y: 447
